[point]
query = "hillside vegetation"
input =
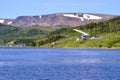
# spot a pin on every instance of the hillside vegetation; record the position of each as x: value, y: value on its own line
x: 22, y: 35
x: 108, y: 31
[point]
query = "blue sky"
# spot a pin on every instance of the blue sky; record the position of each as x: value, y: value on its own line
x: 14, y: 8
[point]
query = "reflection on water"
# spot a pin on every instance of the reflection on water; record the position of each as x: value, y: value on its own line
x: 80, y: 60
x: 58, y: 61
x: 59, y: 64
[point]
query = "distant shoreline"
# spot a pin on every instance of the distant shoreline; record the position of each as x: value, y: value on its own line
x: 59, y: 47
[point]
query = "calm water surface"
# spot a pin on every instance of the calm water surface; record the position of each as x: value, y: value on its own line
x: 59, y: 64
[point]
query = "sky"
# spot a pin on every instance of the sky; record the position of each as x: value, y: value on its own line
x: 14, y: 8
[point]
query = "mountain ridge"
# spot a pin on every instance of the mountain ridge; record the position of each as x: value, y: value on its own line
x: 69, y: 19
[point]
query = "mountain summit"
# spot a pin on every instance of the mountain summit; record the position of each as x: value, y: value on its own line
x: 69, y: 19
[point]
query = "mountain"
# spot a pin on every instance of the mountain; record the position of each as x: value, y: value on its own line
x: 62, y: 19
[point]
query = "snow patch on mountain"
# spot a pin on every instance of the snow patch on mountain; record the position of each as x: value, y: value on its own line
x: 82, y: 17
x: 40, y: 17
x: 71, y: 15
x: 2, y: 21
x: 9, y: 22
x: 89, y: 16
x: 74, y: 16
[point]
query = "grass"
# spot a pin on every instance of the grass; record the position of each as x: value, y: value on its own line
x: 107, y: 40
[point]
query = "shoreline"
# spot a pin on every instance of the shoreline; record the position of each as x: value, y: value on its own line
x: 59, y: 47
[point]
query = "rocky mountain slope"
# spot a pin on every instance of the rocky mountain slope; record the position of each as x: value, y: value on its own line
x: 69, y: 19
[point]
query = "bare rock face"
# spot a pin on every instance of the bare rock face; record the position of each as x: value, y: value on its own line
x: 68, y: 19
x: 26, y: 21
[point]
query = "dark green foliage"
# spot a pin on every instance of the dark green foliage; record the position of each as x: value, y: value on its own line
x: 19, y: 35
x: 50, y: 39
x: 32, y: 32
x: 22, y: 41
x: 56, y: 35
x: 7, y: 30
x: 112, y: 25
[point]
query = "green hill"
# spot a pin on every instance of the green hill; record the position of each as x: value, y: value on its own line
x: 108, y: 31
x: 22, y: 35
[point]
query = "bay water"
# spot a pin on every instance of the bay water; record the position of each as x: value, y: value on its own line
x: 59, y: 64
